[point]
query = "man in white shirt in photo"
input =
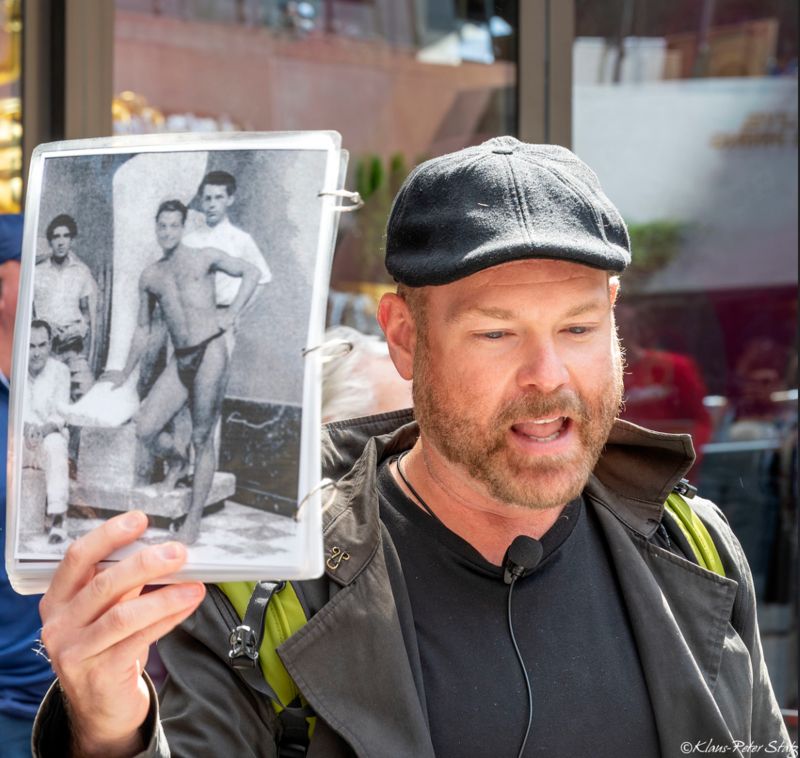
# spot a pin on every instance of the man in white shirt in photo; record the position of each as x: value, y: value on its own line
x: 45, y: 432
x: 65, y: 296
x: 217, y: 194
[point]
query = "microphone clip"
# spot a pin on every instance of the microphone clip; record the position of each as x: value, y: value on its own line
x: 523, y: 555
x: 512, y: 572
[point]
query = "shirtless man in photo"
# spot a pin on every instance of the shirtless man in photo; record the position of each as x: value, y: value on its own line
x: 181, y: 286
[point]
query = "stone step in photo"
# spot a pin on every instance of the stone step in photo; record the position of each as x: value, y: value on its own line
x: 170, y: 504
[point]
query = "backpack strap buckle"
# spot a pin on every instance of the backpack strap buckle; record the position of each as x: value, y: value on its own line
x: 685, y: 489
x: 244, y: 647
x: 245, y: 639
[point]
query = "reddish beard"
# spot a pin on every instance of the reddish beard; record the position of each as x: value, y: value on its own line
x: 483, y: 450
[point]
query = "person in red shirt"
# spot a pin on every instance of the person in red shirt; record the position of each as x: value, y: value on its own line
x: 663, y: 390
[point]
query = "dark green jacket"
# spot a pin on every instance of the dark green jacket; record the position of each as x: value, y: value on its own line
x: 356, y: 660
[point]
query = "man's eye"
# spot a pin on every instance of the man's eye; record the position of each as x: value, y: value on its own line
x: 493, y: 335
x: 579, y: 330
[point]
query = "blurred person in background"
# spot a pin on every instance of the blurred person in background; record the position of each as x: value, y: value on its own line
x: 361, y: 380
x: 759, y: 378
x: 24, y: 676
x: 663, y: 390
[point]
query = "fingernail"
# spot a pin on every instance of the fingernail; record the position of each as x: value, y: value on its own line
x: 170, y: 550
x: 131, y: 521
x: 190, y: 592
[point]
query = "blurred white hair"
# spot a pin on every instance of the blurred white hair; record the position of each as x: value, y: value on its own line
x: 347, y: 388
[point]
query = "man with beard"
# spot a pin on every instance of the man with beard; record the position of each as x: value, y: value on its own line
x: 515, y: 481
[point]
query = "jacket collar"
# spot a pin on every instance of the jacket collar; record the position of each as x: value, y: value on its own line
x: 635, y: 473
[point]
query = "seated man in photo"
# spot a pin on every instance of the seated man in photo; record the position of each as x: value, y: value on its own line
x: 46, y: 392
x: 181, y: 286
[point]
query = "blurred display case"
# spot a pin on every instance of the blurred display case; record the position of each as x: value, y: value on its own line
x: 10, y: 106
x: 688, y: 114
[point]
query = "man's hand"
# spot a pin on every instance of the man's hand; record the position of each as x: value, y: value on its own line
x: 32, y: 434
x: 75, y: 330
x: 98, y: 627
x: 49, y: 427
x: 117, y: 378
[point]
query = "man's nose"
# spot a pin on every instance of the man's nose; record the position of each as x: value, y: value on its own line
x: 542, y: 368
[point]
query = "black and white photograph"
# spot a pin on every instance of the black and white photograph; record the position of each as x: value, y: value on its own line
x: 173, y: 295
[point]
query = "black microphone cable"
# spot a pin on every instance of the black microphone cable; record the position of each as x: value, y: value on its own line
x: 523, y: 555
x: 524, y: 670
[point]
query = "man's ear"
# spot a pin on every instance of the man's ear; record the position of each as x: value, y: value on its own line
x: 613, y: 289
x: 229, y: 201
x: 400, y: 331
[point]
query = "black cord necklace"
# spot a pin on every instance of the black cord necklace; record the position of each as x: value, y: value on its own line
x: 416, y: 494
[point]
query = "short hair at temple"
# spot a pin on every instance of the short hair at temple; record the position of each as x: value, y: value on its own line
x: 218, y: 179
x: 63, y: 219
x: 172, y: 206
x: 39, y: 323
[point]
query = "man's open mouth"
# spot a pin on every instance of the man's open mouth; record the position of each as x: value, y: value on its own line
x: 546, y: 429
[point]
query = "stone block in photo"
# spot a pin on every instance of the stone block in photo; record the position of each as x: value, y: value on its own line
x: 106, y: 456
x: 33, y: 502
x: 153, y: 500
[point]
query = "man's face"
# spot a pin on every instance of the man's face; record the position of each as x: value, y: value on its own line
x: 518, y: 378
x: 39, y: 350
x: 61, y: 242
x: 169, y: 229
x: 215, y: 202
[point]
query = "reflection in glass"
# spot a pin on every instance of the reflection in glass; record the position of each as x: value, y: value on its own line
x: 402, y: 80
x: 688, y: 113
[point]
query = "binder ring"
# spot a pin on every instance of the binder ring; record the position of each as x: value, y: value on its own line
x: 331, y: 349
x: 353, y: 197
x: 323, y: 485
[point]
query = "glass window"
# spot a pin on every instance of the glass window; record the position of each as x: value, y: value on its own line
x: 688, y: 113
x: 10, y: 107
x: 401, y: 80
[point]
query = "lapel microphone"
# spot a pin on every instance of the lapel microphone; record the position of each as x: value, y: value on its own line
x: 523, y: 555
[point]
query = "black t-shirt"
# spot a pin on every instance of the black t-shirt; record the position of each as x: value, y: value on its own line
x: 570, y: 622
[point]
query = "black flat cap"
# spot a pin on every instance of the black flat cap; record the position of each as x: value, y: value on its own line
x: 501, y: 201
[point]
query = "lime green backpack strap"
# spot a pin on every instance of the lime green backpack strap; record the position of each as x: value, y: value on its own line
x: 282, y: 616
x: 270, y: 614
x: 695, y: 532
